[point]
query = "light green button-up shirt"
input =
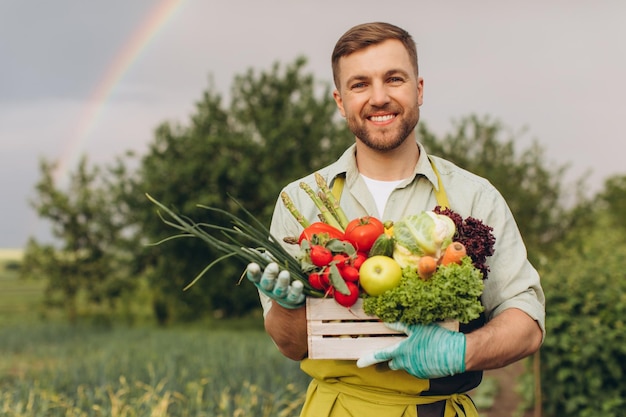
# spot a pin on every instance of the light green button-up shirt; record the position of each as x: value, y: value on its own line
x: 512, y: 283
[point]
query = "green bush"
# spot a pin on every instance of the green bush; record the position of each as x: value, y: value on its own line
x: 12, y: 265
x: 585, y: 348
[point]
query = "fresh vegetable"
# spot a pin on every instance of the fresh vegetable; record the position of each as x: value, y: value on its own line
x: 293, y: 210
x: 333, y: 258
x: 421, y: 234
x: 358, y: 260
x: 388, y: 227
x: 315, y: 279
x: 405, y: 257
x: 330, y: 202
x: 426, y: 267
x: 336, y: 280
x: 347, y: 300
x: 247, y: 240
x: 320, y: 233
x: 341, y: 260
x: 383, y: 245
x: 349, y: 273
x: 453, y: 254
x: 320, y: 255
x: 326, y: 213
x: 363, y: 232
x: 477, y: 238
x: 325, y: 277
x: 453, y: 292
x: 379, y: 274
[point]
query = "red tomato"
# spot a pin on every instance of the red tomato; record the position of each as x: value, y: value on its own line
x: 347, y: 300
x: 320, y: 255
x: 363, y: 232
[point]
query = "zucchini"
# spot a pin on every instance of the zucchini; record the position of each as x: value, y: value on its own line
x: 383, y: 245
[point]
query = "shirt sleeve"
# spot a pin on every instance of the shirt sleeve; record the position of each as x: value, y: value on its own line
x: 512, y: 282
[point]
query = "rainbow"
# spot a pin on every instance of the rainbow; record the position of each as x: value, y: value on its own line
x: 129, y: 54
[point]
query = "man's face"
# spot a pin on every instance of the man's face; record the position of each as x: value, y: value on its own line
x: 379, y: 94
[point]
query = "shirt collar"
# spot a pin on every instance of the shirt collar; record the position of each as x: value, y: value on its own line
x: 346, y: 166
x: 424, y: 167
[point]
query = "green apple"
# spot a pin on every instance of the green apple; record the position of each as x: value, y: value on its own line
x: 379, y: 274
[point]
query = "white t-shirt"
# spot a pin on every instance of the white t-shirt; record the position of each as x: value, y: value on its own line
x: 381, y: 190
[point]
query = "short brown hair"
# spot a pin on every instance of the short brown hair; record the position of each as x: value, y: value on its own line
x: 367, y: 34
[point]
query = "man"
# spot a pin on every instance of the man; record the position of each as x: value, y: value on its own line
x: 389, y: 175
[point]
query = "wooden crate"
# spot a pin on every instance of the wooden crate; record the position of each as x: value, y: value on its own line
x: 337, y: 332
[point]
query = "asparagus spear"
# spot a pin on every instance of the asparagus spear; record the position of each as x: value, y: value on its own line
x: 326, y: 214
x: 336, y: 208
x: 293, y: 210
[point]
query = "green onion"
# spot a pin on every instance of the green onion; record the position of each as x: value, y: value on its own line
x: 248, y: 241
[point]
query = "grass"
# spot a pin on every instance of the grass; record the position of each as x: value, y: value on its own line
x: 49, y: 368
x: 19, y: 299
x: 59, y: 370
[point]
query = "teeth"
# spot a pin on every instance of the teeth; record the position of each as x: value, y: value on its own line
x: 382, y: 118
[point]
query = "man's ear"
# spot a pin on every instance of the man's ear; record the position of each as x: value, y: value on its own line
x: 420, y: 90
x: 339, y: 101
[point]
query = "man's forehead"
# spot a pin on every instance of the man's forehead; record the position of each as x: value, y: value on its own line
x: 383, y: 57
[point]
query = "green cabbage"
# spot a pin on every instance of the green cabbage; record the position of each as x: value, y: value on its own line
x: 416, y: 235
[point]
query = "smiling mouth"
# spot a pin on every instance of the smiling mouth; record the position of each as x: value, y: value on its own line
x: 382, y: 119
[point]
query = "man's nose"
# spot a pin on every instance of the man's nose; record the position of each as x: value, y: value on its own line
x: 379, y: 96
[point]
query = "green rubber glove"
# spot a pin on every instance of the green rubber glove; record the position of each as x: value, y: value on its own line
x: 430, y: 351
x: 276, y: 284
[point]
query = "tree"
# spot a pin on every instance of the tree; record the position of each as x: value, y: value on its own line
x: 613, y: 199
x: 533, y: 188
x: 276, y: 128
x: 88, y: 232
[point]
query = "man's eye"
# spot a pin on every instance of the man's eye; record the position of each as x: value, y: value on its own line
x: 357, y: 86
x: 396, y: 80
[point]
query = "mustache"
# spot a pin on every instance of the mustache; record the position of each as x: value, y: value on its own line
x: 376, y: 110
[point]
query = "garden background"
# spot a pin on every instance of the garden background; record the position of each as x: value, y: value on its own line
x: 94, y: 321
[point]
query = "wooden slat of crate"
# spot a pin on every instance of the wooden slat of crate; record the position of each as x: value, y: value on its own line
x: 337, y: 332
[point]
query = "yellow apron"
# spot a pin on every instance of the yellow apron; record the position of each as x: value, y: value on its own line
x: 340, y: 389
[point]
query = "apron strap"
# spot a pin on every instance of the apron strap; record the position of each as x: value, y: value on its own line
x: 440, y: 192
x: 337, y: 188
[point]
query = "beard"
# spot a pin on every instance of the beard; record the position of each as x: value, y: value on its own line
x: 384, y: 139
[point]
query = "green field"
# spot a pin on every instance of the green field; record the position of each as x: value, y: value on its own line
x: 49, y: 368
x: 19, y: 300
x: 59, y: 370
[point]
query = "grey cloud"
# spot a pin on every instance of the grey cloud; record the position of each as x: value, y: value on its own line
x: 61, y: 48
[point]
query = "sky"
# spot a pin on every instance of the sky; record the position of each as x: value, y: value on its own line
x: 96, y: 78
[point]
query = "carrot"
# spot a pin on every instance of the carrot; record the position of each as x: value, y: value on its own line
x: 426, y: 267
x: 453, y: 253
